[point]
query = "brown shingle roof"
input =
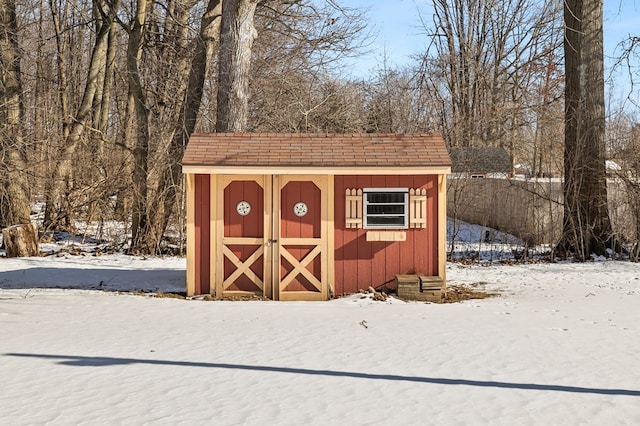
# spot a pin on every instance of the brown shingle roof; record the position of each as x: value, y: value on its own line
x: 316, y: 150
x: 480, y: 160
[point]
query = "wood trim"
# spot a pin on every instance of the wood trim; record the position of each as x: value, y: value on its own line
x: 267, y: 191
x: 300, y: 267
x: 318, y: 180
x: 353, y: 208
x: 324, y: 235
x: 232, y: 177
x: 241, y: 241
x: 297, y: 296
x: 317, y: 171
x: 386, y: 236
x: 243, y: 267
x: 213, y: 237
x: 191, y: 233
x: 275, y: 235
x: 417, y: 208
x: 331, y: 247
x: 442, y: 229
x: 219, y: 231
x: 300, y: 241
x: 240, y: 293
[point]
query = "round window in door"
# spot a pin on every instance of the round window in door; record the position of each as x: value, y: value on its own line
x: 300, y: 209
x: 243, y: 208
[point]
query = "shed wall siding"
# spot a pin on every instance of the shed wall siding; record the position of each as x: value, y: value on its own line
x: 202, y: 217
x: 360, y: 263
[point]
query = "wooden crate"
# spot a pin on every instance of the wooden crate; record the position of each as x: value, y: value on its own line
x: 420, y: 288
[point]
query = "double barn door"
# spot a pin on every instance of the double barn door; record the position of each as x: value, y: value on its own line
x: 273, y: 239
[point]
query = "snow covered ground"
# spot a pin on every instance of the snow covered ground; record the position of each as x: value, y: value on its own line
x: 559, y: 345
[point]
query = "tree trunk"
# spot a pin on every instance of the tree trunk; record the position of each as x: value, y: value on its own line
x: 61, y: 67
x: 171, y: 178
x: 141, y: 123
x: 15, y: 208
x: 237, y: 34
x: 586, y: 225
x: 20, y: 240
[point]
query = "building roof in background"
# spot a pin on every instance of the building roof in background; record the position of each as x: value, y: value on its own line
x: 480, y: 160
x: 330, y: 150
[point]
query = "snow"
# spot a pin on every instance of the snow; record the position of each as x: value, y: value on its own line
x: 612, y: 165
x: 482, y: 243
x: 558, y: 345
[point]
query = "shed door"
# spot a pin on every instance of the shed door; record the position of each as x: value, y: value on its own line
x: 243, y: 243
x: 302, y: 241
x: 273, y: 237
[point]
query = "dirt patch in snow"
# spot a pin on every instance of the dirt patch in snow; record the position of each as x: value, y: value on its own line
x: 459, y: 293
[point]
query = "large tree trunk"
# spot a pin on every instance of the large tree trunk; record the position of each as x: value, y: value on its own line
x: 139, y: 220
x: 237, y: 34
x: 15, y: 208
x: 586, y: 227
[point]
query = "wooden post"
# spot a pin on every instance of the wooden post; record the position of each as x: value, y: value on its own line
x: 191, y: 234
x: 20, y: 240
x: 442, y: 229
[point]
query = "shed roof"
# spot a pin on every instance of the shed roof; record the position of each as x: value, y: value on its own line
x: 315, y: 151
x: 480, y: 160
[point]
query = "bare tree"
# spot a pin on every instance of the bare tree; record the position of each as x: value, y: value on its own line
x: 397, y: 102
x: 587, y: 227
x: 546, y: 92
x: 623, y: 183
x: 297, y: 82
x: 14, y: 193
x: 478, y: 66
x: 170, y: 180
x: 57, y: 208
x: 143, y: 75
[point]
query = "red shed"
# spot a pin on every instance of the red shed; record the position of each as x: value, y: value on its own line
x: 312, y: 216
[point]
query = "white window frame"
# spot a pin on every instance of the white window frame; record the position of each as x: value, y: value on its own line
x: 405, y: 204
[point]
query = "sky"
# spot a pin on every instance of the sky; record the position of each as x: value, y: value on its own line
x: 401, y: 35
